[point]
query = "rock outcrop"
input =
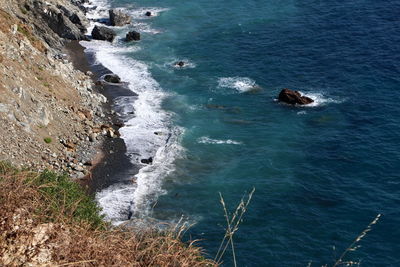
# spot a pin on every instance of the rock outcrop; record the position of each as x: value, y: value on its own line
x: 119, y: 18
x: 133, y: 36
x: 103, y: 33
x: 55, y: 18
x: 293, y: 97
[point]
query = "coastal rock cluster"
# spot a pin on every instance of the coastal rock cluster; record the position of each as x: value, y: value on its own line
x: 51, y: 114
x: 117, y: 17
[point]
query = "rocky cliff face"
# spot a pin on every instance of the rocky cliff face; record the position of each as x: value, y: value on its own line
x: 48, y: 110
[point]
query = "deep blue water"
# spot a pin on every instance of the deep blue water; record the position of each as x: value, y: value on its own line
x: 321, y: 173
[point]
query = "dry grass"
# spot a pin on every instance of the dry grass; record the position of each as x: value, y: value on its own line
x: 232, y: 226
x: 45, y: 220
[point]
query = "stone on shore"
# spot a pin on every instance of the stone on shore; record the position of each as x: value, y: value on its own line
x: 103, y: 33
x: 112, y: 78
x: 133, y: 36
x: 293, y: 97
x: 119, y: 18
x: 147, y: 161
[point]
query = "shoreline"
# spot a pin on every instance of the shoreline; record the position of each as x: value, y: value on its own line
x: 110, y: 164
x: 151, y: 142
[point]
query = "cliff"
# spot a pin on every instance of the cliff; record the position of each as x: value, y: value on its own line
x: 50, y: 113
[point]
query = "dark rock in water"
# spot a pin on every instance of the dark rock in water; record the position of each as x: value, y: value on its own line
x: 103, y: 33
x: 147, y: 161
x: 133, y: 36
x: 112, y: 78
x: 212, y: 106
x: 119, y: 18
x: 180, y: 64
x: 293, y: 97
x: 149, y: 14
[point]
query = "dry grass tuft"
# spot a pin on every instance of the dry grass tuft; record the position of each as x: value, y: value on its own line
x: 46, y: 220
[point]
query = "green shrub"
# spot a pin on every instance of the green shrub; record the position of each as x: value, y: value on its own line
x: 47, y: 140
x: 67, y: 198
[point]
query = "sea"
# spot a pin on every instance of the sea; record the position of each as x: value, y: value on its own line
x: 214, y: 128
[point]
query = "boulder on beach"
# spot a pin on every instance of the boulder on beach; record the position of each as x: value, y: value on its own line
x: 112, y: 78
x: 293, y: 97
x: 103, y: 33
x: 147, y: 161
x: 119, y: 18
x: 133, y: 36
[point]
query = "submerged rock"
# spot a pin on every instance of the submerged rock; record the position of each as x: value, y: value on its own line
x: 103, y: 33
x: 294, y: 97
x: 119, y: 18
x: 133, y: 36
x: 112, y: 78
x: 179, y: 64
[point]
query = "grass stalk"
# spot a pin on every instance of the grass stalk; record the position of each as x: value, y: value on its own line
x: 233, y: 223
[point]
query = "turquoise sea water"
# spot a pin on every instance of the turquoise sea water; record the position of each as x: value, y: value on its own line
x: 321, y: 173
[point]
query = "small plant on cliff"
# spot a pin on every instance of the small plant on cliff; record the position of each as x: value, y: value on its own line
x: 47, y: 140
x: 23, y: 10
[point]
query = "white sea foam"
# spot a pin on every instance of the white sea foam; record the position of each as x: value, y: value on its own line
x: 116, y: 201
x: 138, y: 134
x: 320, y: 99
x: 208, y: 140
x: 97, y: 9
x: 240, y: 84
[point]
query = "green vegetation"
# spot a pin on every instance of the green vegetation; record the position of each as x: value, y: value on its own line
x: 24, y: 31
x: 23, y: 10
x: 62, y: 194
x: 47, y: 140
x: 46, y: 84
